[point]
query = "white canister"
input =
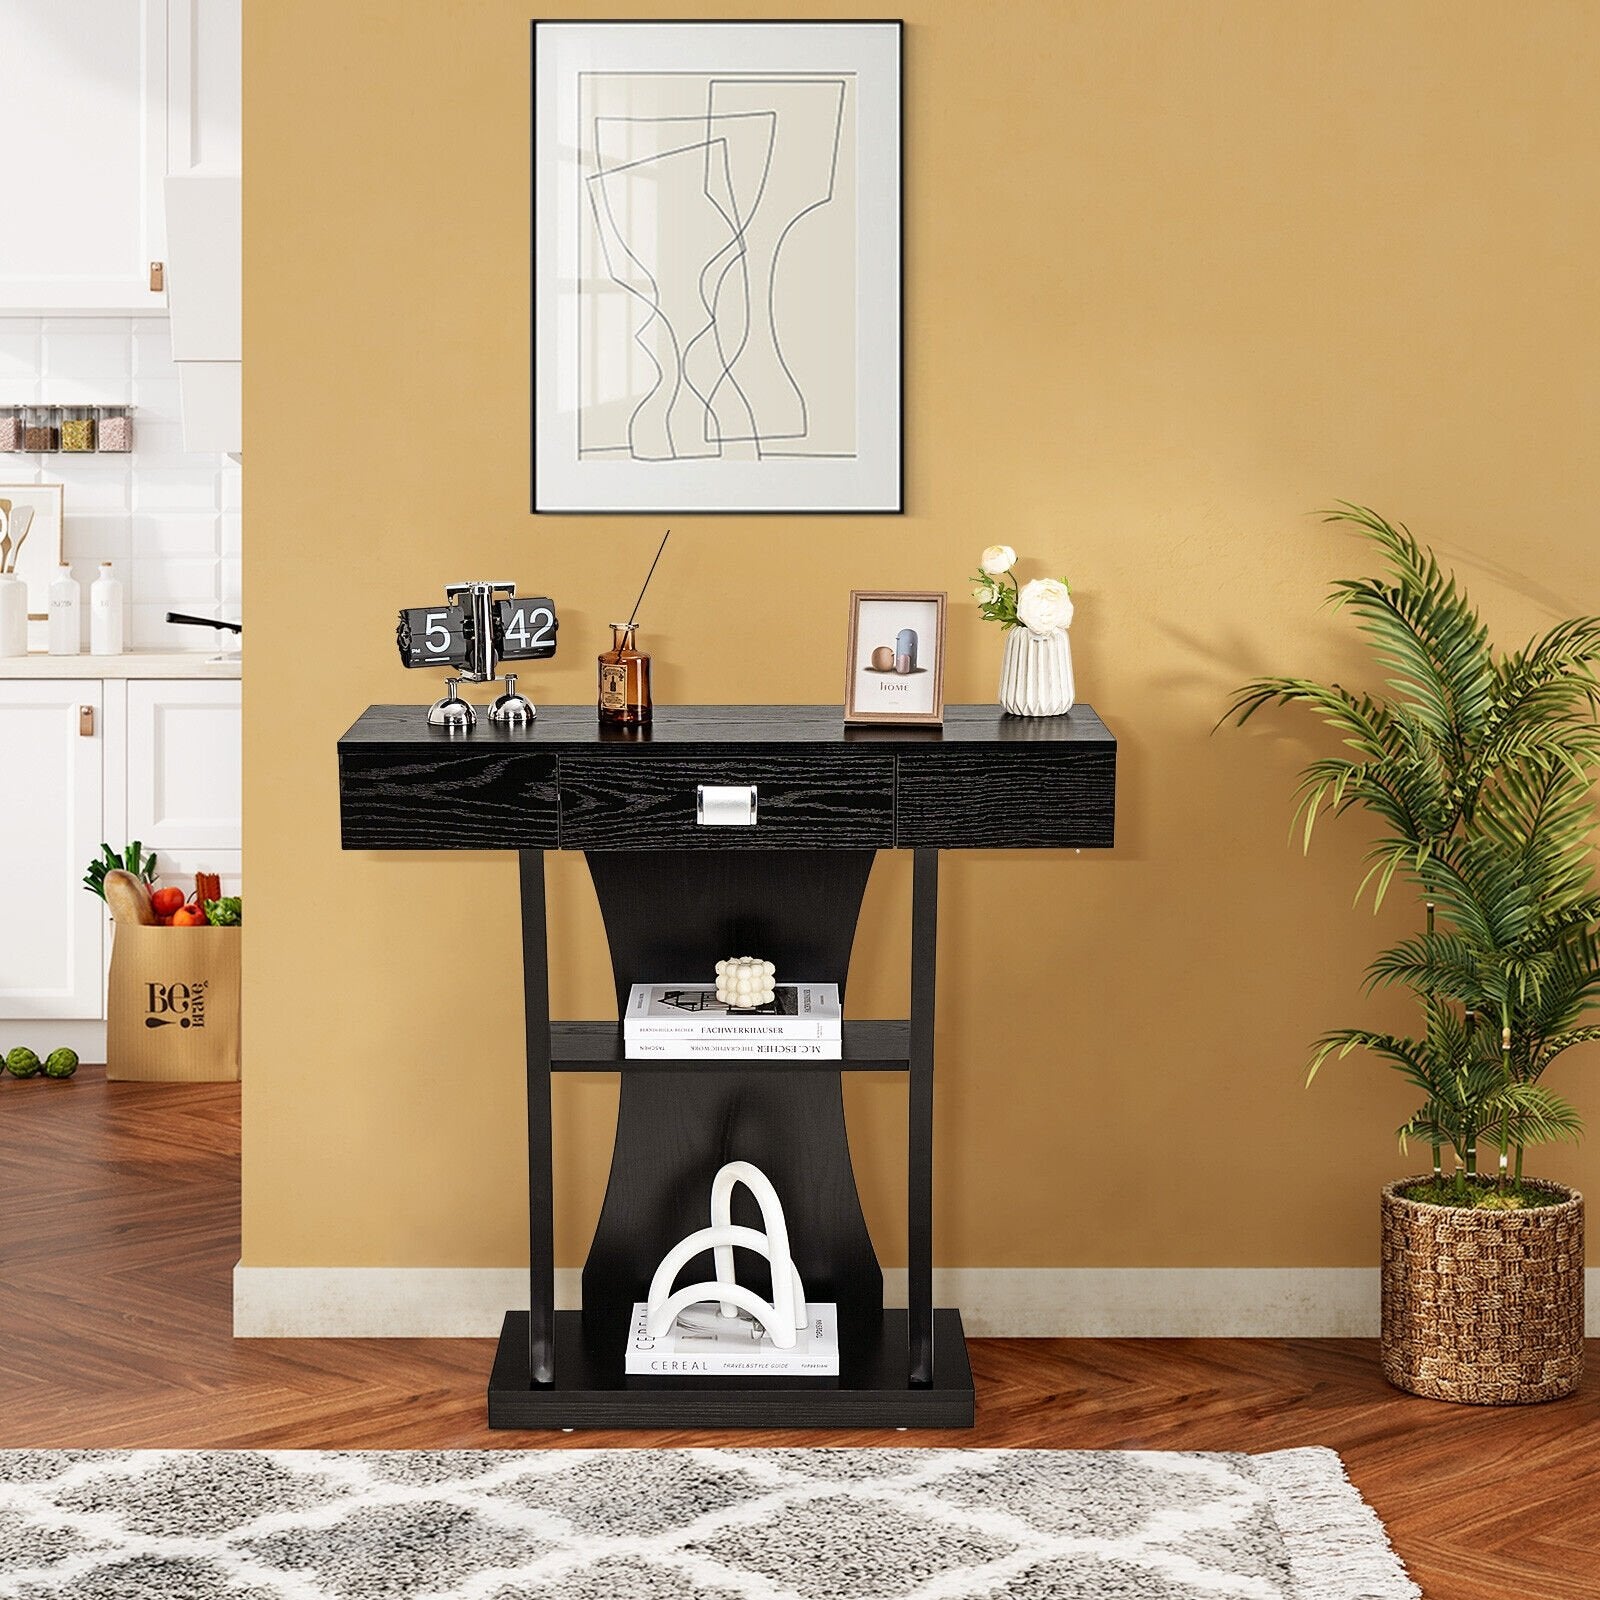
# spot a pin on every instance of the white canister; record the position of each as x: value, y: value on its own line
x: 65, y: 631
x: 105, y: 614
x: 13, y: 615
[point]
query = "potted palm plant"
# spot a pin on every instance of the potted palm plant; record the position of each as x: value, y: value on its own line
x: 1477, y: 765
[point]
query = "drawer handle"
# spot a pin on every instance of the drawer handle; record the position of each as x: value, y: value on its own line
x: 725, y: 805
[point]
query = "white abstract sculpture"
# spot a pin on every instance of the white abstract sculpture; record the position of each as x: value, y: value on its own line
x: 788, y: 1310
x: 745, y: 982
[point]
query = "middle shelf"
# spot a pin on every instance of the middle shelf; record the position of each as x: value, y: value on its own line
x: 874, y: 1045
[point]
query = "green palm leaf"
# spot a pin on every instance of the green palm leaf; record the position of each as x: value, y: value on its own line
x: 1478, y: 769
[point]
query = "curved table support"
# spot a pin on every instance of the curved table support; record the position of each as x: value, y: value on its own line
x: 671, y: 915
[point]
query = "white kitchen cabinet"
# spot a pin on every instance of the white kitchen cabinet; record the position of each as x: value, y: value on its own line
x: 205, y: 233
x: 205, y: 71
x: 51, y: 810
x: 183, y: 765
x: 86, y: 84
x: 108, y: 98
x: 205, y: 294
x: 155, y: 759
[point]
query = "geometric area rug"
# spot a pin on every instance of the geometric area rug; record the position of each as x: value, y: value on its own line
x: 823, y: 1524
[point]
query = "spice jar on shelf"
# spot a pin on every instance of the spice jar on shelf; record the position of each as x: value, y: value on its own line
x: 41, y: 429
x: 77, y: 428
x: 116, y: 428
x: 11, y: 428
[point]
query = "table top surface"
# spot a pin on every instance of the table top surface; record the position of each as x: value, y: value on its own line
x: 674, y: 726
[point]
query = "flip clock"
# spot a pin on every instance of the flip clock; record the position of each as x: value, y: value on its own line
x: 479, y: 626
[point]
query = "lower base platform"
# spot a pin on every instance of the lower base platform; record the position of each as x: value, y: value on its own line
x: 592, y: 1391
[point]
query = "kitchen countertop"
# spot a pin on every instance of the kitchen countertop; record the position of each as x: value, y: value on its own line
x: 131, y: 664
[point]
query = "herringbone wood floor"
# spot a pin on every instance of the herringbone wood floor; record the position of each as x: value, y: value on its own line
x: 119, y: 1229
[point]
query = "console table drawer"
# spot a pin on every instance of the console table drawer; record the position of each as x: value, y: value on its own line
x: 447, y: 797
x: 825, y: 800
x: 1012, y: 797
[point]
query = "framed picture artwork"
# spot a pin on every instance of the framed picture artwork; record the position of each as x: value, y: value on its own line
x: 30, y: 539
x: 717, y: 267
x: 894, y: 663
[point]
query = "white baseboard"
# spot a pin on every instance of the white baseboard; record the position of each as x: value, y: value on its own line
x: 1161, y: 1302
x: 383, y: 1302
x: 87, y: 1038
x: 999, y: 1302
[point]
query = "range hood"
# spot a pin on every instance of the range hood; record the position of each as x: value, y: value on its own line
x: 204, y: 294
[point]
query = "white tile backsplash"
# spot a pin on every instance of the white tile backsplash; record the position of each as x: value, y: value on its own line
x: 152, y: 348
x: 19, y: 357
x: 91, y: 537
x: 158, y: 438
x: 157, y: 512
x: 184, y: 583
x: 176, y: 533
x: 89, y: 483
x: 76, y: 356
x: 169, y: 487
x: 158, y: 396
x: 20, y: 361
x: 148, y: 628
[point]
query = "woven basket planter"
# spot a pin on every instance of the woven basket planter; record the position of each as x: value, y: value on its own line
x: 1482, y: 1307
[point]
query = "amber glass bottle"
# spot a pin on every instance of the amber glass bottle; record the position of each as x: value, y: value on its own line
x: 624, y: 680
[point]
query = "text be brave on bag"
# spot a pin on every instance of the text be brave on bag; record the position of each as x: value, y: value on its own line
x: 173, y: 1010
x: 181, y: 1005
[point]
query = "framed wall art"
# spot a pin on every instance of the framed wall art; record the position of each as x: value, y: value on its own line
x: 894, y: 662
x: 717, y: 267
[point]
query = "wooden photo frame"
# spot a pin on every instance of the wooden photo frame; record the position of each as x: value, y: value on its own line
x: 894, y: 661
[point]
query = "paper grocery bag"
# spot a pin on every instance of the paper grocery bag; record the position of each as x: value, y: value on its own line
x: 173, y: 1009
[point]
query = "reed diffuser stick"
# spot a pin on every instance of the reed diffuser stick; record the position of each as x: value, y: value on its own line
x: 625, y: 668
x: 634, y: 615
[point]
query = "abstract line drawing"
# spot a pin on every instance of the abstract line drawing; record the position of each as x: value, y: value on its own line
x: 716, y: 312
x: 718, y: 296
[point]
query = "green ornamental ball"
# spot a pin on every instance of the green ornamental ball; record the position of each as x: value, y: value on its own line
x: 22, y: 1062
x: 61, y: 1063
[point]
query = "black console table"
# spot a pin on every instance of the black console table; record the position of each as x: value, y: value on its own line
x: 676, y: 895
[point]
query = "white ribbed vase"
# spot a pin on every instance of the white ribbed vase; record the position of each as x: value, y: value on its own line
x: 1036, y: 673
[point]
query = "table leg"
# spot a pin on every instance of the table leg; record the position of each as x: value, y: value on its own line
x: 919, y: 1163
x: 541, y: 1228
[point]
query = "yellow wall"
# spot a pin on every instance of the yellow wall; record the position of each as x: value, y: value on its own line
x: 1178, y: 273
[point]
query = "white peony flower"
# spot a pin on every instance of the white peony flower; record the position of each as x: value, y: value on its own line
x: 1044, y: 605
x: 998, y: 558
x: 985, y: 594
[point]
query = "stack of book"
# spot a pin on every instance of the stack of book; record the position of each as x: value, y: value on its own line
x: 686, y: 1022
